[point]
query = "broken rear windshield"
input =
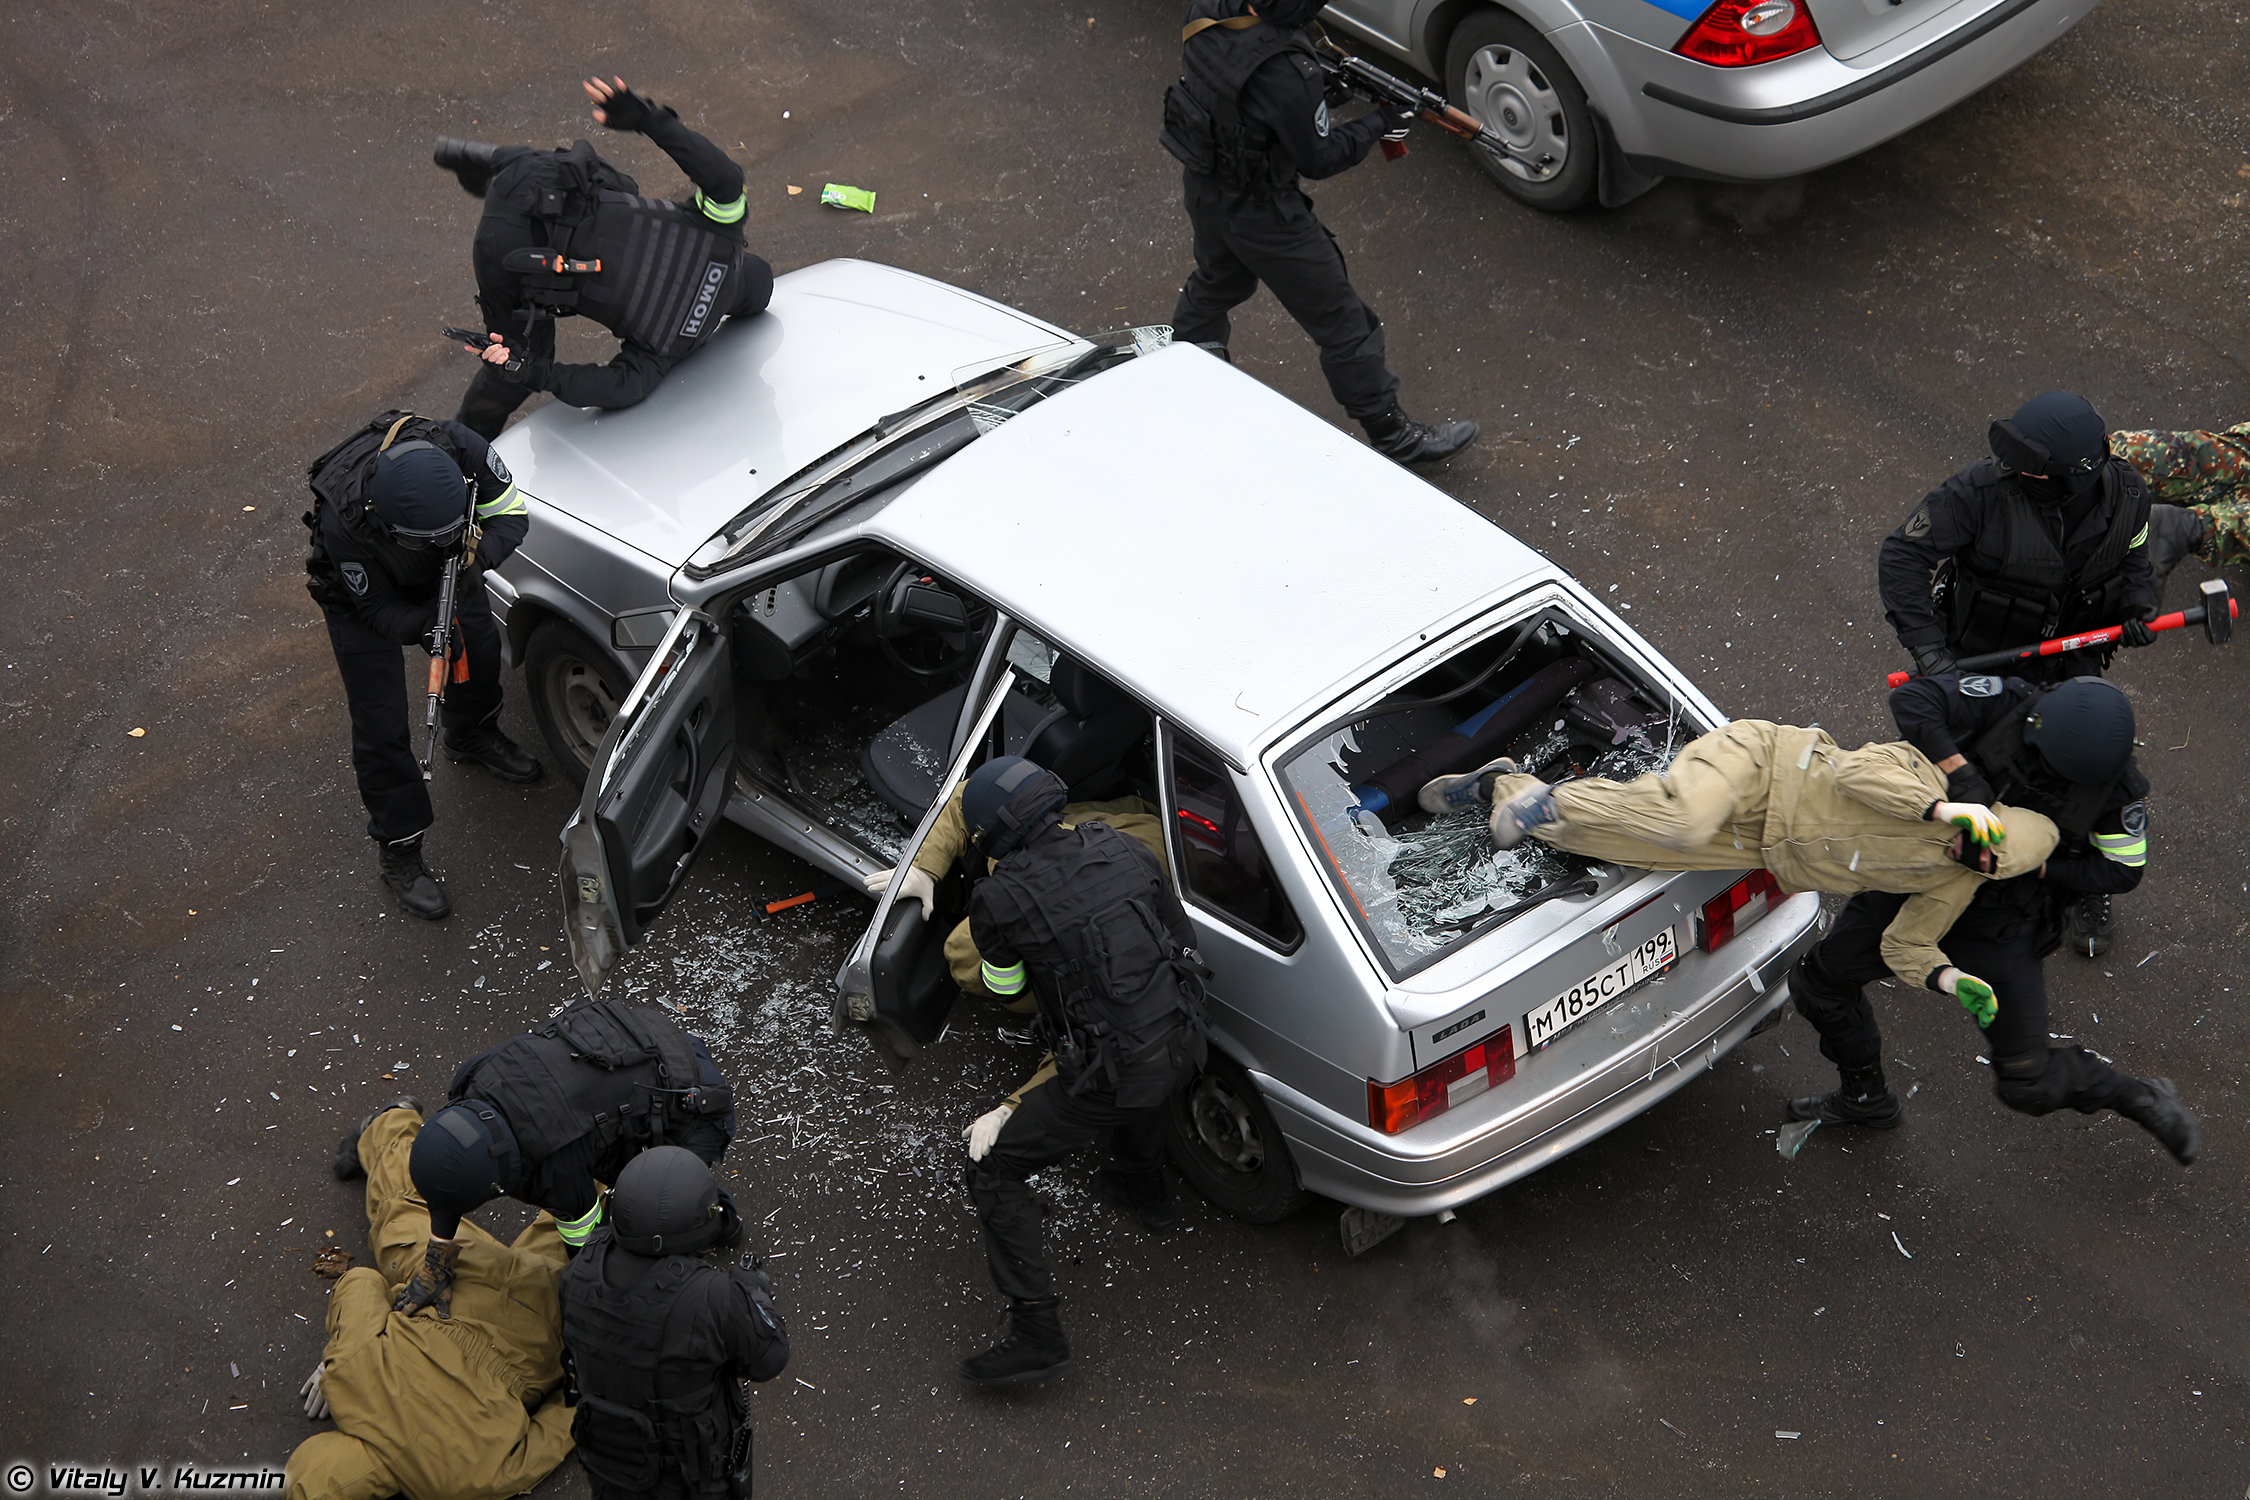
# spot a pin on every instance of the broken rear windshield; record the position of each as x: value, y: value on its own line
x: 1419, y: 884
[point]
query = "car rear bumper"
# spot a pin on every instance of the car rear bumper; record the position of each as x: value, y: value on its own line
x: 1672, y: 116
x: 1347, y: 1161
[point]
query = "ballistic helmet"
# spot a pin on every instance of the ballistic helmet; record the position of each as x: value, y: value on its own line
x: 1006, y: 801
x: 2083, y: 728
x: 417, y: 495
x: 666, y: 1202
x: 464, y: 1157
x: 2058, y: 435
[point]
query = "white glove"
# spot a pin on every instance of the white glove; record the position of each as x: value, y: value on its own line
x: 1979, y: 822
x: 316, y: 1400
x: 916, y: 884
x: 985, y: 1130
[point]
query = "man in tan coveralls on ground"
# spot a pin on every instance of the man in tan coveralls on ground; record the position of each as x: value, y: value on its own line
x: 462, y: 1408
x: 1819, y: 817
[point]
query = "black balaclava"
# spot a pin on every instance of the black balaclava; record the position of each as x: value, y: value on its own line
x: 2057, y: 436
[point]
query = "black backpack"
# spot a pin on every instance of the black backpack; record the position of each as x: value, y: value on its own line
x: 339, y: 479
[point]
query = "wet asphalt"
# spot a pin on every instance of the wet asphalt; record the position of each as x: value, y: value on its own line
x: 227, y: 247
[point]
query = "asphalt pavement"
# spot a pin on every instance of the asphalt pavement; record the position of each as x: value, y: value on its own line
x: 228, y: 247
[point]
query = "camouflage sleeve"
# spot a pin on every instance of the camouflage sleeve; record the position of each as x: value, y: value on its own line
x: 2188, y: 468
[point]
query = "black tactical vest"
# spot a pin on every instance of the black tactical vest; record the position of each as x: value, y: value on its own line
x: 621, y: 1072
x: 1203, y: 122
x: 643, y: 1421
x: 2013, y: 588
x: 339, y: 484
x: 1120, y: 1002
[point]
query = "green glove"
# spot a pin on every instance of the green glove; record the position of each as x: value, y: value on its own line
x: 1974, y: 994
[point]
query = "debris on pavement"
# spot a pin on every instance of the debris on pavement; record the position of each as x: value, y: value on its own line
x: 838, y: 195
x: 1780, y: 1434
x: 1791, y: 1138
x: 1901, y: 1245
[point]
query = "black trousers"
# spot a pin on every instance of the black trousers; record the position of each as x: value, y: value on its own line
x: 387, y: 719
x: 1048, y: 1126
x: 1243, y: 239
x: 1997, y: 940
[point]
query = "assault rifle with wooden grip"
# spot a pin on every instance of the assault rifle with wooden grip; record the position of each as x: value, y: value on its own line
x: 1358, y: 76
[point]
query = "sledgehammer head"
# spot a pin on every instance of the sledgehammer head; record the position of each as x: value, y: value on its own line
x: 2218, y: 611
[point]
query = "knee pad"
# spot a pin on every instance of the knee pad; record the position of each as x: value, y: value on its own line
x: 2037, y: 1083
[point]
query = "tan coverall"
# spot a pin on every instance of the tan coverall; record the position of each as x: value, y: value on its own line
x: 949, y: 840
x: 1820, y: 818
x: 470, y: 1409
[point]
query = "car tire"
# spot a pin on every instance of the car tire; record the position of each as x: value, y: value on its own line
x: 575, y: 688
x: 1224, y: 1141
x: 1504, y: 73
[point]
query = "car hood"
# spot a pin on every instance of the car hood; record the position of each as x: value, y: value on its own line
x: 842, y: 344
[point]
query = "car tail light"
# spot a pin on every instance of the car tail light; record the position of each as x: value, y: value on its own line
x: 1735, y: 908
x: 1393, y: 1107
x: 1740, y: 33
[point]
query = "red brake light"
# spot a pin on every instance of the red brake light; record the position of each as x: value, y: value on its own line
x: 1735, y: 908
x: 1393, y: 1107
x: 1740, y: 33
x: 1199, y: 821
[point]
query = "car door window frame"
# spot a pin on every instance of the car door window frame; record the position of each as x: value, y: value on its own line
x: 1167, y: 735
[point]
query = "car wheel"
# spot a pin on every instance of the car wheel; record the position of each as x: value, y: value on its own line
x: 575, y: 690
x: 1503, y: 73
x: 1223, y: 1140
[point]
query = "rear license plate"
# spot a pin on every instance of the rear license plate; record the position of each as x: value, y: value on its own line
x: 1598, y: 989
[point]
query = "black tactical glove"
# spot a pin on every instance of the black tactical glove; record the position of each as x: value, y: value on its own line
x: 1981, y: 858
x: 430, y: 642
x: 1934, y: 661
x: 1394, y: 119
x: 629, y: 111
x: 432, y: 1285
x: 2136, y: 632
x: 1965, y: 783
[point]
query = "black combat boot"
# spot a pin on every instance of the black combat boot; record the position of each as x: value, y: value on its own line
x: 1151, y: 1204
x: 2175, y: 533
x: 347, y: 1164
x: 1401, y: 439
x: 1863, y: 1100
x: 2090, y: 926
x: 2155, y: 1106
x: 486, y: 746
x: 414, y: 886
x: 1034, y: 1348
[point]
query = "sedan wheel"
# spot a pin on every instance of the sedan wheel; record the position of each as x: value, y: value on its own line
x: 575, y: 691
x: 1519, y: 89
x: 1224, y: 1141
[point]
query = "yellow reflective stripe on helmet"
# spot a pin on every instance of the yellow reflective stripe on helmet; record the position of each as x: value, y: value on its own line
x: 2125, y: 848
x: 722, y: 213
x: 575, y: 1232
x: 2138, y: 538
x: 1006, y: 981
x: 509, y: 502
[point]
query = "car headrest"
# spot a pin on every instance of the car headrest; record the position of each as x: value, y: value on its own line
x: 1085, y: 693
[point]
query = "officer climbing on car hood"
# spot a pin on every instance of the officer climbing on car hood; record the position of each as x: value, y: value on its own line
x: 1083, y: 918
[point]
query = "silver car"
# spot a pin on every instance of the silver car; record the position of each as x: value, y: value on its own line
x: 890, y: 529
x: 1601, y: 98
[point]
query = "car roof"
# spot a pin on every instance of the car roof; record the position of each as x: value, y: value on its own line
x: 1230, y: 558
x: 842, y: 344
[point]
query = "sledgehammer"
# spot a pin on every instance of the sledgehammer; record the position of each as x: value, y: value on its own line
x: 2216, y: 614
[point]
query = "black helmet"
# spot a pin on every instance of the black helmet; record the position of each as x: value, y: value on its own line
x: 464, y: 1157
x: 666, y: 1202
x: 2058, y: 435
x: 2083, y: 728
x: 417, y: 494
x: 1006, y: 801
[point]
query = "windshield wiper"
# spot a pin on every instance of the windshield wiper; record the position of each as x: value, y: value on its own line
x: 1584, y: 885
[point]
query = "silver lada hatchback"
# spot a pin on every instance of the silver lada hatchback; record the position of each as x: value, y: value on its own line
x: 889, y: 529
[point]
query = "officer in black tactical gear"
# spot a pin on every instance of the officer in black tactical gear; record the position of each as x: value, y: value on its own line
x: 391, y: 505
x: 1084, y: 918
x: 1247, y: 119
x: 566, y: 233
x: 659, y: 1340
x: 2046, y: 538
x: 2064, y: 750
x: 547, y: 1116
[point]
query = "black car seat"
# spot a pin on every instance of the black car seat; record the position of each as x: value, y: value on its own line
x: 1085, y: 738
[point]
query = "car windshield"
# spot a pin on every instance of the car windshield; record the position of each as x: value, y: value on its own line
x: 1540, y: 692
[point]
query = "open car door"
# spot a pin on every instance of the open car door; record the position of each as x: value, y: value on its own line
x: 895, y: 981
x: 654, y: 794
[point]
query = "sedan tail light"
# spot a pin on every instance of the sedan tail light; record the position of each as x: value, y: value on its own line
x: 1393, y: 1107
x: 1742, y: 33
x: 1735, y: 908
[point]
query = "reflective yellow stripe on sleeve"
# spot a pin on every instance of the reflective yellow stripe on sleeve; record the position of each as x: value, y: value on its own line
x: 1008, y: 981
x: 2125, y: 848
x: 509, y: 502
x: 2139, y: 537
x: 722, y: 213
x: 575, y: 1232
